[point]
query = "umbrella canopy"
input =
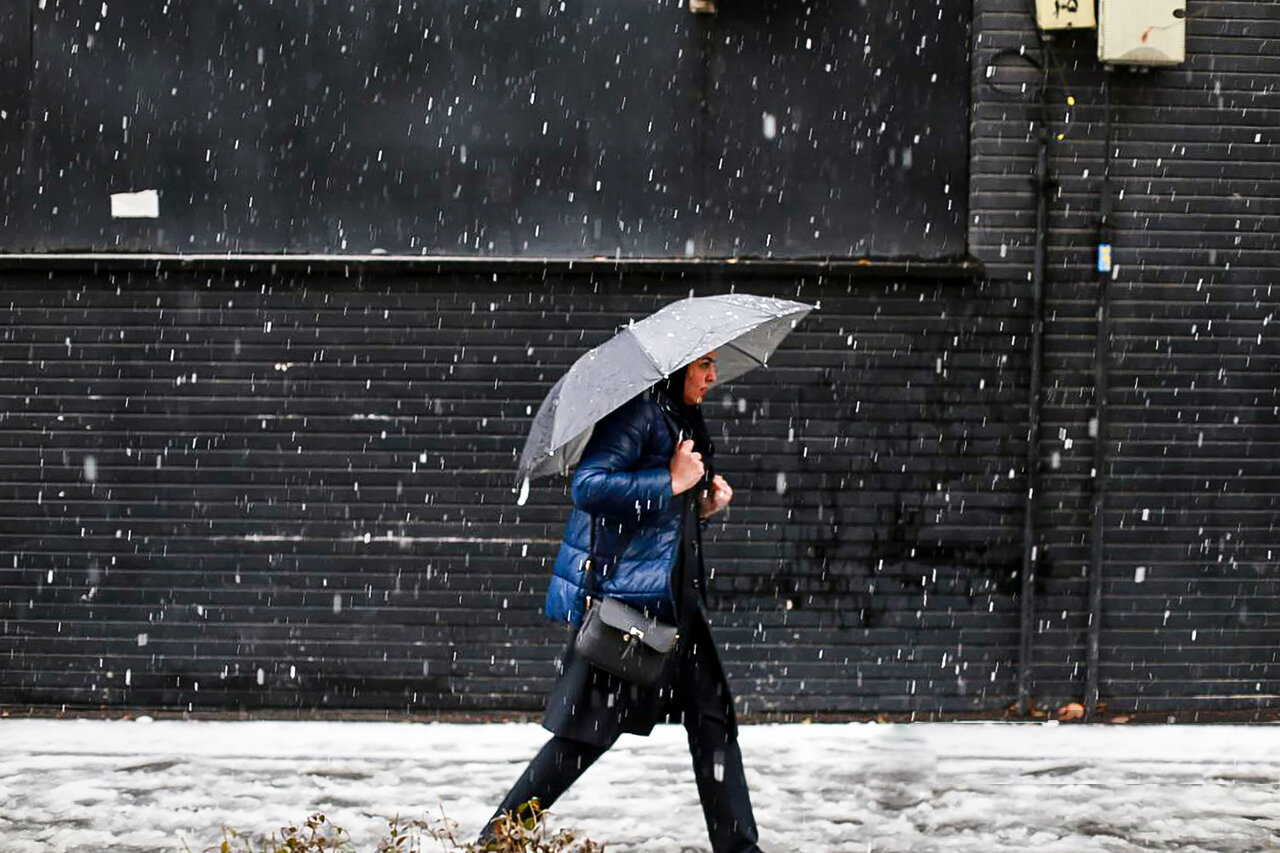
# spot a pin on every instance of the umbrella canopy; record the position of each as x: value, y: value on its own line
x: 744, y: 329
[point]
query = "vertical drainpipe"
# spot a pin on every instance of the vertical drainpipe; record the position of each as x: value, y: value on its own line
x: 1029, y: 549
x: 1101, y: 384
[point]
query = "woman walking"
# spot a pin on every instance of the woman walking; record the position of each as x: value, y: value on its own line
x: 643, y: 484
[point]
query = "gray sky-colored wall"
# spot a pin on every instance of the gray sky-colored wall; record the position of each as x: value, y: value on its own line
x: 488, y: 129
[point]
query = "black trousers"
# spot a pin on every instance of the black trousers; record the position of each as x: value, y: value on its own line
x: 717, y: 767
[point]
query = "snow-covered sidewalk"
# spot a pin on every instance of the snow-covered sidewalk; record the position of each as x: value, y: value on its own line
x: 74, y: 785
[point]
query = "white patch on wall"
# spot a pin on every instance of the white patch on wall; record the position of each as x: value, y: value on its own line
x: 769, y: 125
x: 139, y: 205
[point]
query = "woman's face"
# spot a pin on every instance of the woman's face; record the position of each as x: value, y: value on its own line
x: 698, y: 378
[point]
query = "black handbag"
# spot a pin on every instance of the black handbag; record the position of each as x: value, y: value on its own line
x: 624, y: 641
x: 621, y: 639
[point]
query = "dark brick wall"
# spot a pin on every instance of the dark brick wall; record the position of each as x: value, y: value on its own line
x: 249, y: 430
x: 1191, y: 616
x: 296, y: 491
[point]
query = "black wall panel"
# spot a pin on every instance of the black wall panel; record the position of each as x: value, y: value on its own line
x: 483, y: 129
x: 1190, y: 615
x: 15, y: 99
x: 295, y: 491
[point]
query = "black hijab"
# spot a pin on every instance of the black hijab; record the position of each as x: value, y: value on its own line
x: 669, y: 394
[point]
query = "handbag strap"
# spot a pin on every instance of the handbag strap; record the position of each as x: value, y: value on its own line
x: 589, y: 565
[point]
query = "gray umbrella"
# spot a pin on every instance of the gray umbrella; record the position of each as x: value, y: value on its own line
x: 744, y: 329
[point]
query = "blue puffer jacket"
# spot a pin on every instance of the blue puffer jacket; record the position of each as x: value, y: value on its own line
x: 622, y: 481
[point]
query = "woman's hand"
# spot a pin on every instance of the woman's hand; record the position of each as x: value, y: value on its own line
x: 686, y: 467
x: 716, y: 498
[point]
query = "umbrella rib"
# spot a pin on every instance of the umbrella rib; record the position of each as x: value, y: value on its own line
x: 737, y: 348
x: 640, y: 346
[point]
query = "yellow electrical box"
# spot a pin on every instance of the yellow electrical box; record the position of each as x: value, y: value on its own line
x: 1150, y: 32
x: 1064, y: 14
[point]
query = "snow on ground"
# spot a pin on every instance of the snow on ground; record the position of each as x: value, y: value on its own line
x: 130, y: 787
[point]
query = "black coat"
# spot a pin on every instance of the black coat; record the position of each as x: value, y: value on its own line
x: 590, y: 705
